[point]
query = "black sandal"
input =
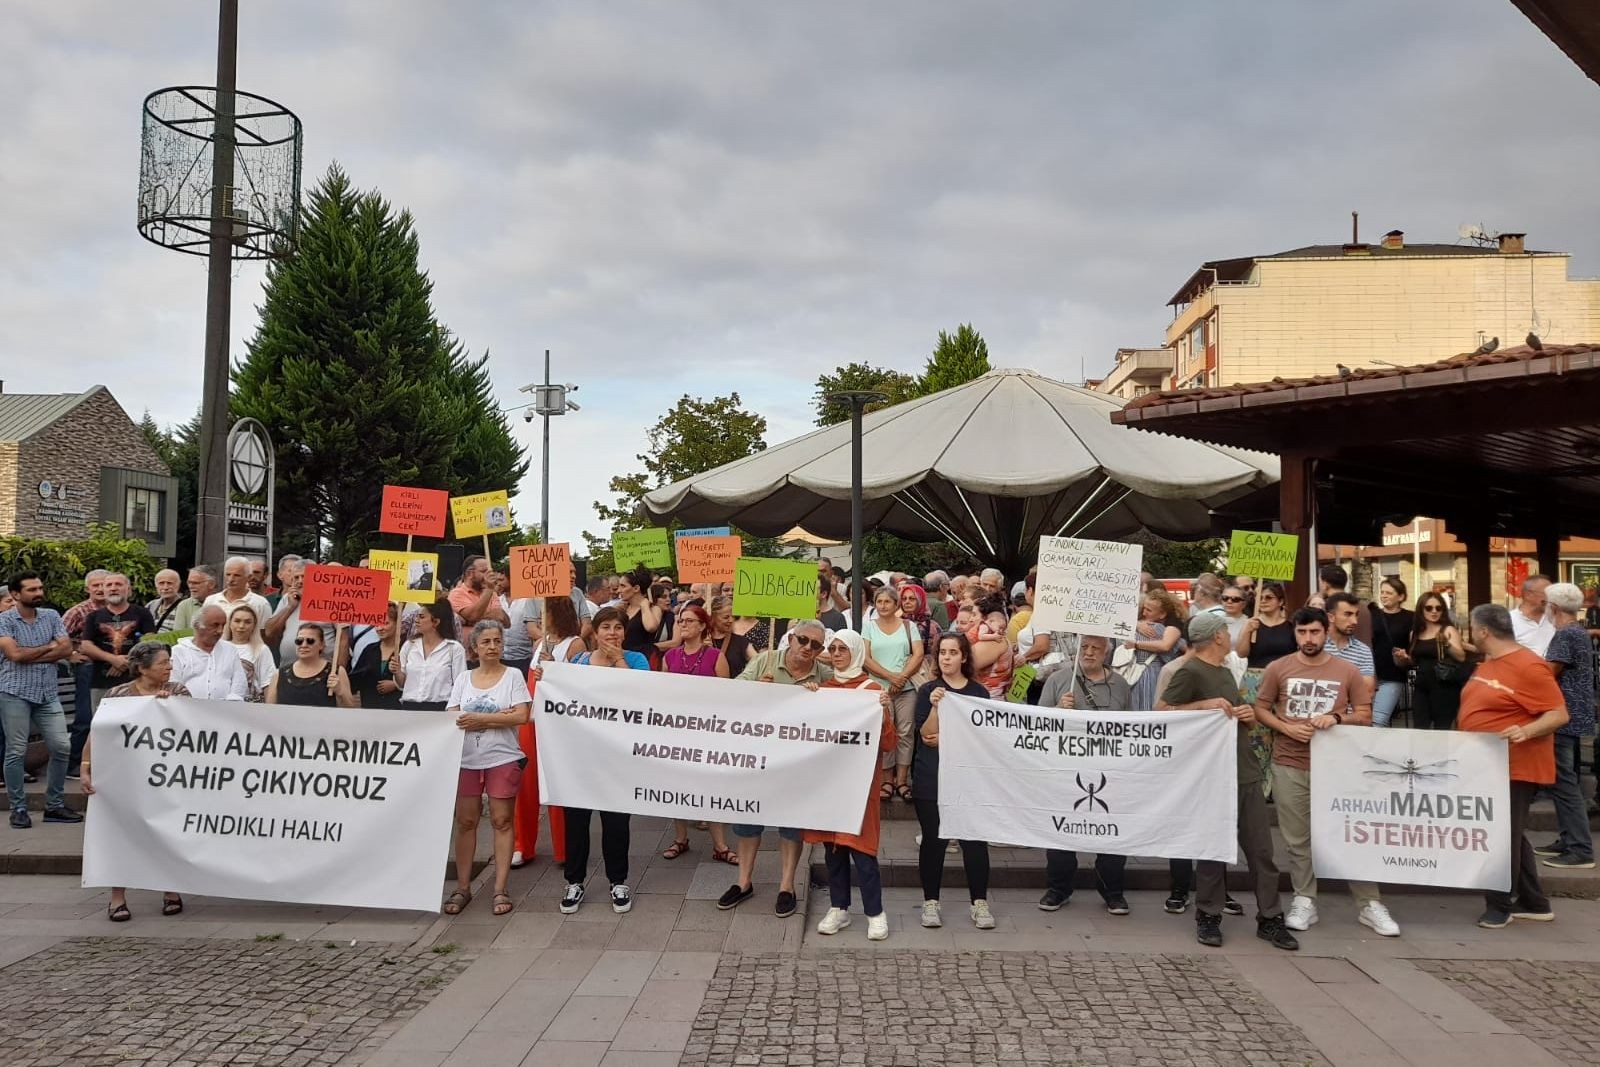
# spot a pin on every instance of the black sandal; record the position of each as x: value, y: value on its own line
x: 172, y: 905
x: 118, y: 913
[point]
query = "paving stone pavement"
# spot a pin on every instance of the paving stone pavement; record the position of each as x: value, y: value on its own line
x: 174, y: 1002
x: 1556, y: 1004
x: 932, y: 1008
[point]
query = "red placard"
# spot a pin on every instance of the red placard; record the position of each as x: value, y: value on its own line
x: 345, y: 595
x: 540, y: 570
x: 413, y: 512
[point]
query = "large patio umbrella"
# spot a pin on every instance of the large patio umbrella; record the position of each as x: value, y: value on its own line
x: 990, y: 465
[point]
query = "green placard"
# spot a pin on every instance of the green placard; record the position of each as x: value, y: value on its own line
x: 775, y: 588
x: 1263, y: 555
x: 648, y: 547
x: 1021, y: 679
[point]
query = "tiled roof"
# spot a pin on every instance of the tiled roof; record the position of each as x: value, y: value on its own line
x: 1519, y: 354
x: 24, y: 414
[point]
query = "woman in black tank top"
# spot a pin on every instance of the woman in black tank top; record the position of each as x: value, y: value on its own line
x: 311, y: 680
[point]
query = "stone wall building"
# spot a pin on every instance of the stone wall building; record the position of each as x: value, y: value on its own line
x: 71, y: 459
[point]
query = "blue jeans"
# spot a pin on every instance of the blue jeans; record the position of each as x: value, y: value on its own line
x: 1572, y: 811
x: 1385, y: 701
x: 20, y: 717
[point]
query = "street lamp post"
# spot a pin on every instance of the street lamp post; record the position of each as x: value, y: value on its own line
x: 548, y: 400
x: 858, y: 399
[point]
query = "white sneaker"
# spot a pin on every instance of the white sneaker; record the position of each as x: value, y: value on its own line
x: 621, y: 899
x: 930, y: 914
x: 836, y: 919
x: 517, y: 860
x: 877, y: 926
x: 980, y: 915
x: 919, y: 840
x: 1375, y: 915
x: 1302, y: 914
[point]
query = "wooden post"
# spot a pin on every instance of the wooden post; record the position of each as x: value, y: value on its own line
x: 1297, y: 513
x: 1479, y: 589
x: 1548, y: 549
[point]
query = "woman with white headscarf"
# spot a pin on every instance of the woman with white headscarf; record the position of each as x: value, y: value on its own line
x: 847, y: 654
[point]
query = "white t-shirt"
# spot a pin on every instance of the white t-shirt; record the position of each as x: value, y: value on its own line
x: 1533, y: 636
x: 256, y: 601
x: 490, y: 748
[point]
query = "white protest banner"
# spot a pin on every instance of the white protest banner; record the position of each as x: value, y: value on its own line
x: 1128, y: 783
x: 1422, y: 807
x: 272, y: 802
x: 688, y: 747
x: 1087, y: 587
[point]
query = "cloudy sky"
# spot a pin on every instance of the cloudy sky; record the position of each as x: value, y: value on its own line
x: 703, y: 197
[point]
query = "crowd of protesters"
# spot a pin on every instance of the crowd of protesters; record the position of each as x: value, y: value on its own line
x: 1238, y: 647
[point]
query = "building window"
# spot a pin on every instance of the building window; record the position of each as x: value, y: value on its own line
x: 142, y: 513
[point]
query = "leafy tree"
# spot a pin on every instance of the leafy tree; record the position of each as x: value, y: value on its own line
x: 956, y: 359
x: 179, y: 448
x: 856, y: 376
x: 694, y: 436
x: 1179, y: 559
x: 356, y: 381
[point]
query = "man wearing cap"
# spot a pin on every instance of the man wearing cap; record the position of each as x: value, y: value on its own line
x: 1204, y: 683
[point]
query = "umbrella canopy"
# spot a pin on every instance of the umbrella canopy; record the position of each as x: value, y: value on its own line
x: 990, y: 465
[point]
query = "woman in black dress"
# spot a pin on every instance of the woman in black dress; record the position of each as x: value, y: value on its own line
x: 1439, y: 655
x: 311, y: 679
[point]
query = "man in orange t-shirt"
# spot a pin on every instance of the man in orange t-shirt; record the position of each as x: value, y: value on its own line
x: 1514, y: 693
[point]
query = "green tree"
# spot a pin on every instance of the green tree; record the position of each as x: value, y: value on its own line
x: 855, y: 376
x: 956, y: 359
x: 1179, y: 559
x: 695, y: 435
x: 179, y: 448
x: 62, y: 564
x: 356, y: 381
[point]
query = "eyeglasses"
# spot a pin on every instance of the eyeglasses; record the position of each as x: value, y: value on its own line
x: 806, y: 642
x: 1433, y: 607
x: 306, y: 642
x: 1233, y: 600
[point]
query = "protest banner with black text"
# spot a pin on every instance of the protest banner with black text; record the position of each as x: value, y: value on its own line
x: 1420, y: 807
x: 774, y: 588
x: 413, y: 512
x: 687, y: 747
x: 707, y: 559
x: 1257, y: 554
x: 1130, y: 783
x: 481, y: 514
x: 345, y: 595
x: 413, y: 575
x: 540, y: 570
x: 1087, y: 587
x: 646, y: 547
x: 279, y: 802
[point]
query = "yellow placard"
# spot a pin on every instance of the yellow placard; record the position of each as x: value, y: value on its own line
x: 481, y: 513
x: 412, y: 575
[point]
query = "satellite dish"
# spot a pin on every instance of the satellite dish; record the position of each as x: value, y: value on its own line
x: 1476, y: 234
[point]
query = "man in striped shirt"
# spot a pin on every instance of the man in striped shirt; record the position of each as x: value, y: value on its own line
x: 1344, y: 618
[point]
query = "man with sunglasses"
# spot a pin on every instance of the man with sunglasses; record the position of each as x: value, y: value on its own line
x: 794, y: 664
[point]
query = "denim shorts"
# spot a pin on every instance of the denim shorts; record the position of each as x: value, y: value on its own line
x: 746, y: 830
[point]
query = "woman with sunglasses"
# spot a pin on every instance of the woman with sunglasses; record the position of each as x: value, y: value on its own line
x: 1233, y: 613
x: 1439, y: 655
x: 610, y: 625
x: 431, y: 661
x: 1268, y: 635
x: 847, y: 654
x: 695, y: 655
x: 1392, y: 623
x: 311, y: 680
x: 956, y: 674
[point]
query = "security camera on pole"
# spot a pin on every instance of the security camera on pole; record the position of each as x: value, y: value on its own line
x: 548, y: 400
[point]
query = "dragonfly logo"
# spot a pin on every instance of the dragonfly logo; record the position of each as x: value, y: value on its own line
x: 1091, y: 795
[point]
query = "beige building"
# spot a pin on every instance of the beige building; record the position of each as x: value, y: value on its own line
x: 1304, y: 312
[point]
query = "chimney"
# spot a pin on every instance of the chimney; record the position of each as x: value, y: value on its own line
x: 1355, y: 247
x: 1394, y: 240
x: 1511, y: 244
